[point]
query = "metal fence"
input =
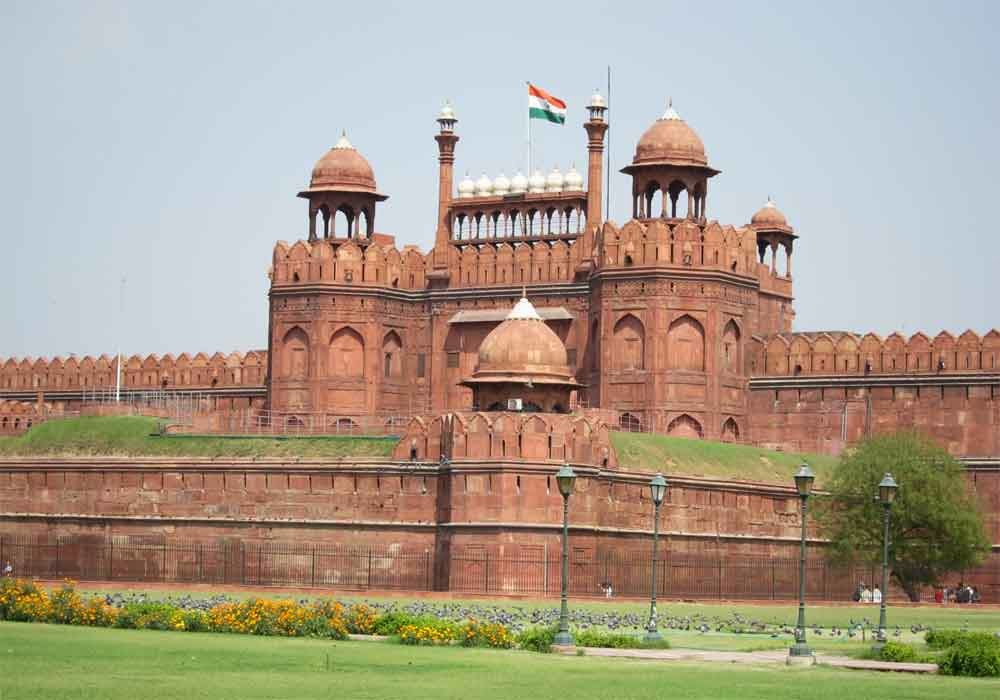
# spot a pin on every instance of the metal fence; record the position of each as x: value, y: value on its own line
x: 469, y: 571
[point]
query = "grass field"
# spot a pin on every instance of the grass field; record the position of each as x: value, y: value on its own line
x: 669, y: 455
x: 134, y: 436
x: 46, y: 661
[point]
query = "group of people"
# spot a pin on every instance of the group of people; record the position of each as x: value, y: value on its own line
x: 962, y: 593
x: 862, y: 594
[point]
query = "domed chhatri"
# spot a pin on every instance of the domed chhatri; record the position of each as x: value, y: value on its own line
x: 484, y: 186
x: 554, y: 182
x: 770, y: 217
x: 524, y: 359
x: 467, y: 187
x: 518, y: 183
x: 573, y: 181
x: 343, y: 169
x: 536, y: 183
x: 670, y: 141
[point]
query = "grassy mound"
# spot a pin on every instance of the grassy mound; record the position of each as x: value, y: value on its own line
x: 670, y: 455
x: 135, y: 436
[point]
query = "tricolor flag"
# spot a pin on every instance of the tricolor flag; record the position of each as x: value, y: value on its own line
x: 542, y: 105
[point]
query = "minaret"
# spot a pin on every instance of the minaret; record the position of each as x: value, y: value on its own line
x: 446, y: 159
x: 596, y: 128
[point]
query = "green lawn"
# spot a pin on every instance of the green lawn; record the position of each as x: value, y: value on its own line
x: 135, y: 436
x: 669, y: 455
x: 46, y: 661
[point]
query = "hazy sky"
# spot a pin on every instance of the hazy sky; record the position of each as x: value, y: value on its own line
x: 167, y: 141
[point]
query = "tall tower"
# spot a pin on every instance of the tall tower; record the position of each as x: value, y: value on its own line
x: 446, y: 139
x: 596, y: 127
x: 669, y: 161
x: 342, y: 182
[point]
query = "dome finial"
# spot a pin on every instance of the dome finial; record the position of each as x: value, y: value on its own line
x: 342, y: 142
x: 671, y: 113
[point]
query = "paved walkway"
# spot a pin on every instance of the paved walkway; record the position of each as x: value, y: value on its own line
x: 751, y: 657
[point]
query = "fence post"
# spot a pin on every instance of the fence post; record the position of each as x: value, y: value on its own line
x: 719, y: 582
x: 313, y: 577
x: 369, y: 586
x: 486, y: 553
x: 772, y: 578
x: 163, y: 562
x: 58, y: 569
x: 111, y: 559
x: 243, y: 564
x: 260, y: 555
x: 201, y: 575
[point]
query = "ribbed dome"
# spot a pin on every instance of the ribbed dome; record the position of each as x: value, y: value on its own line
x: 554, y: 182
x: 466, y: 188
x: 518, y: 183
x: 343, y: 168
x: 536, y: 183
x: 769, y: 215
x: 670, y: 141
x: 523, y: 349
x: 484, y: 186
x: 501, y: 185
x: 573, y: 181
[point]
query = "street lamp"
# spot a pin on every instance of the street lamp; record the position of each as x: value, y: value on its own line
x: 886, y: 494
x: 803, y: 484
x: 657, y: 491
x: 565, y: 478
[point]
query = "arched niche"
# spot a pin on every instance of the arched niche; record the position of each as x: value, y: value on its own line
x: 730, y: 430
x: 731, y: 347
x: 295, y: 354
x: 686, y: 344
x: 347, y: 354
x: 629, y: 344
x: 392, y: 355
x: 685, y: 426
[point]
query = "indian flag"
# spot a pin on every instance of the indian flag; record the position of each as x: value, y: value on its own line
x: 542, y: 105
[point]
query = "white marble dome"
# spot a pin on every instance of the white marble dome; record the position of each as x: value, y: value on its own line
x: 466, y: 188
x: 536, y: 183
x: 484, y: 186
x: 555, y: 181
x: 573, y: 181
x: 501, y: 185
x: 518, y: 183
x: 596, y: 100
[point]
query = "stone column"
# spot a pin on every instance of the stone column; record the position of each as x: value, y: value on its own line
x: 596, y: 128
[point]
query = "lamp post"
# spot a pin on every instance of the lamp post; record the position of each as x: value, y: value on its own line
x: 886, y: 494
x: 565, y: 477
x: 800, y: 650
x: 657, y: 491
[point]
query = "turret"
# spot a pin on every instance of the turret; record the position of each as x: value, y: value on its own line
x: 446, y: 139
x: 596, y: 127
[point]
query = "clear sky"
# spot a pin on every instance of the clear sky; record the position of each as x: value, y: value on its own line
x: 167, y: 141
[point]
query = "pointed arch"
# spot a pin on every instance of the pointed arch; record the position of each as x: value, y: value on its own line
x: 686, y: 344
x: 392, y: 355
x: 731, y: 361
x: 347, y: 354
x: 686, y: 427
x: 730, y: 430
x: 629, y: 343
x: 295, y: 352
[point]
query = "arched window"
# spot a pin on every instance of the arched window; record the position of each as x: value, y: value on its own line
x: 392, y: 355
x: 629, y: 343
x: 630, y: 423
x: 343, y: 223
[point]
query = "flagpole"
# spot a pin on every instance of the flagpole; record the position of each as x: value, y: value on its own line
x: 607, y: 171
x: 528, y: 174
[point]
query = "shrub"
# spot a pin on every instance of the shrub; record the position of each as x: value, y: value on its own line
x: 361, y: 619
x: 23, y: 601
x: 150, y: 616
x: 390, y: 622
x: 428, y: 634
x: 942, y: 639
x: 971, y: 657
x: 538, y: 638
x: 610, y: 640
x: 898, y: 652
x: 486, y: 634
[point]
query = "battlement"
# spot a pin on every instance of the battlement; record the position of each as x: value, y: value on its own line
x: 149, y: 372
x: 841, y: 353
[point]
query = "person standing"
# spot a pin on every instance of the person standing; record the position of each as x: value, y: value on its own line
x: 877, y: 596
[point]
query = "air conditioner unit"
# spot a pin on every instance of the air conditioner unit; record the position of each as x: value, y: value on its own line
x: 514, y: 404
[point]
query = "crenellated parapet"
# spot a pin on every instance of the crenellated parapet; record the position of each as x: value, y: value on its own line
x: 575, y: 438
x: 346, y: 262
x: 840, y: 353
x: 198, y: 371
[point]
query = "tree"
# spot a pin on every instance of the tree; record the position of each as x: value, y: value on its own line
x: 936, y: 525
